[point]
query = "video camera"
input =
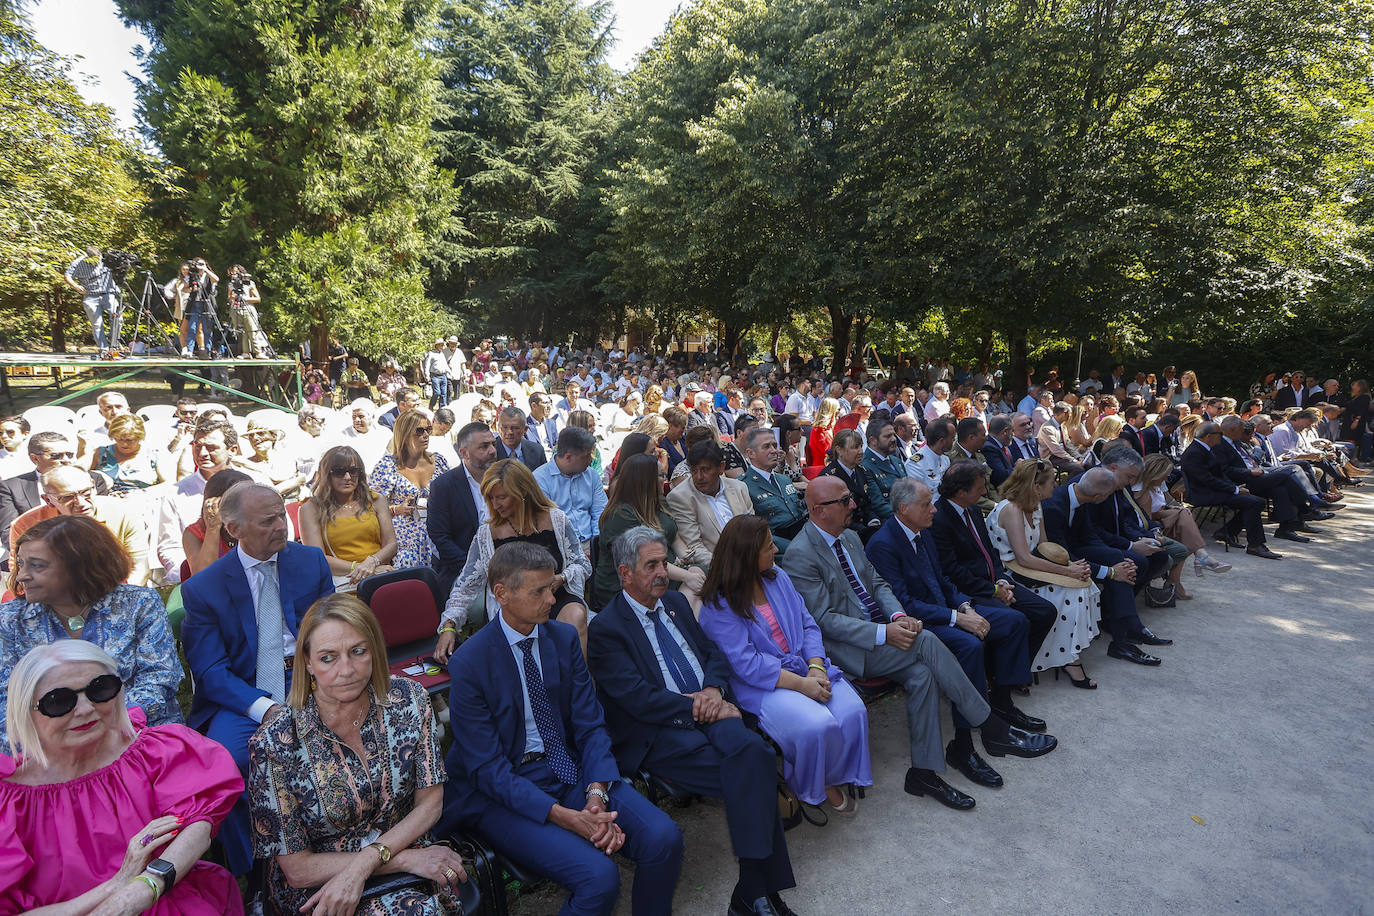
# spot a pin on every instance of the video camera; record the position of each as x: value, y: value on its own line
x: 119, y: 263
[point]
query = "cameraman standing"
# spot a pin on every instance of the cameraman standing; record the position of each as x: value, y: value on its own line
x: 198, y: 286
x: 243, y: 313
x: 89, y: 276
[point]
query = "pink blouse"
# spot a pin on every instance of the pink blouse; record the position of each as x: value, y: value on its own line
x: 778, y: 635
x: 59, y: 841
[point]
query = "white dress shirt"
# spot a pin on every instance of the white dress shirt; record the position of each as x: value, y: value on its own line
x: 534, y: 744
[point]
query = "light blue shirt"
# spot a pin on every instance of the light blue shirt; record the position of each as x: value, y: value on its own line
x: 651, y: 631
x: 581, y: 498
x: 533, y: 743
x: 1027, y: 405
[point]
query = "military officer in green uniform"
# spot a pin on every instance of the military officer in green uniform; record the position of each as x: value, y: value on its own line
x: 882, y: 466
x: 774, y: 495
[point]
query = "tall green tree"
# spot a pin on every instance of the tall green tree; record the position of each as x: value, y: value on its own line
x: 68, y: 179
x: 304, y: 133
x: 525, y: 120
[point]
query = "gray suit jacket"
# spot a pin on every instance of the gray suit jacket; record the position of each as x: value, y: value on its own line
x: 814, y: 569
x: 698, y: 529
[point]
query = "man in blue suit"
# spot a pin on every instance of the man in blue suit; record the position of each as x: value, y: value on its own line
x: 984, y: 635
x: 995, y: 450
x: 531, y: 768
x: 242, y: 614
x: 663, y: 684
x: 1069, y: 524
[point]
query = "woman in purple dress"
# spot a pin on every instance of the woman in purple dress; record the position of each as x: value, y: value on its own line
x: 780, y: 673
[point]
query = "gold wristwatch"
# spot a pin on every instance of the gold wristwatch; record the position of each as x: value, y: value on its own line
x: 382, y: 851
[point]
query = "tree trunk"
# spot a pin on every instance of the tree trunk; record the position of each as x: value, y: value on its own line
x: 860, y: 338
x: 731, y: 339
x: 841, y: 324
x: 1015, y: 377
x: 773, y: 346
x: 59, y: 333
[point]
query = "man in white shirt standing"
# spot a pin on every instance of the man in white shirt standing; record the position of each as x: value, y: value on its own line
x: 435, y: 369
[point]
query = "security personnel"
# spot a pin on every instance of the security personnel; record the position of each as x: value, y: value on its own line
x: 882, y: 466
x: 775, y: 497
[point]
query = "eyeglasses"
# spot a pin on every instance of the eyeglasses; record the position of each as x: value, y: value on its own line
x: 57, y: 703
x: 58, y: 456
x: 846, y: 499
x: 68, y: 499
x: 346, y: 472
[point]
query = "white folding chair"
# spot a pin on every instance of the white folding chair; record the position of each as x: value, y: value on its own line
x: 51, y: 418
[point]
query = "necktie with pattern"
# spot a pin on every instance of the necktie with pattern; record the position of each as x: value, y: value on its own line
x: 870, y: 604
x: 271, y: 673
x: 968, y: 520
x: 676, y: 659
x: 550, y: 729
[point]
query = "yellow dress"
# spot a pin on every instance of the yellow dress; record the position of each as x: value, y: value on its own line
x: 354, y: 539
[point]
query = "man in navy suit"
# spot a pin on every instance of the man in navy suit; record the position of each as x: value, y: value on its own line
x: 1156, y: 437
x: 1071, y: 526
x: 1023, y: 444
x: 1120, y: 526
x: 663, y: 684
x: 1295, y: 393
x: 995, y: 450
x: 1209, y: 485
x: 985, y: 636
x: 969, y: 559
x: 242, y: 614
x: 531, y: 767
x: 512, y: 442
x: 456, y: 506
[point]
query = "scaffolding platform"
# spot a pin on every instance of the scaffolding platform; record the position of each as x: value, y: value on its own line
x: 73, y: 374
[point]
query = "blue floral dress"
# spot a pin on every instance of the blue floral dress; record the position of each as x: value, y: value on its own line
x: 311, y: 793
x: 130, y: 623
x: 413, y: 547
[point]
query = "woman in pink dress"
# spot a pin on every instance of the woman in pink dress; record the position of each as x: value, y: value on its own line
x: 99, y: 811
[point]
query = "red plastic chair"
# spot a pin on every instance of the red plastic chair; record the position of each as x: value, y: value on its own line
x: 406, y: 602
x: 293, y: 512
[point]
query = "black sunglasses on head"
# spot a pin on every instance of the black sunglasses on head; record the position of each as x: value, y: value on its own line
x: 346, y: 472
x: 57, y: 703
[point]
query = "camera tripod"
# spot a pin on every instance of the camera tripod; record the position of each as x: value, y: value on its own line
x: 151, y: 293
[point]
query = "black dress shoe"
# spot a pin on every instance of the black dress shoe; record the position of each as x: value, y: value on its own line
x: 974, y: 768
x: 782, y: 908
x: 1262, y: 551
x: 1286, y: 535
x: 1131, y: 653
x: 1019, y: 743
x: 920, y: 782
x: 1305, y: 528
x: 1317, y: 515
x: 1150, y: 639
x: 761, y: 906
x: 1016, y: 717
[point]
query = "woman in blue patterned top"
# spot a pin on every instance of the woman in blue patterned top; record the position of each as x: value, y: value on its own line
x: 69, y: 572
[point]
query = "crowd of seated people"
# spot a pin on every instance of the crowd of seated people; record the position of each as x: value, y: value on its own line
x: 677, y: 569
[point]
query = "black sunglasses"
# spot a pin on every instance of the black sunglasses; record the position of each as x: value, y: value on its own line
x: 846, y: 499
x: 346, y: 472
x: 423, y: 430
x: 57, y: 703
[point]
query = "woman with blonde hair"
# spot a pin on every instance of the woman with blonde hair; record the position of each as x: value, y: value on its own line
x: 100, y: 812
x: 1151, y: 492
x: 125, y: 461
x: 1108, y: 429
x: 362, y: 747
x: 1076, y: 430
x: 1016, y: 526
x: 653, y: 400
x: 822, y: 432
x: 402, y: 478
x: 1186, y: 428
x: 345, y: 519
x: 517, y: 510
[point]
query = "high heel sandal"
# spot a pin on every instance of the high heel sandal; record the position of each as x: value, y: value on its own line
x: 1211, y: 563
x: 1084, y: 683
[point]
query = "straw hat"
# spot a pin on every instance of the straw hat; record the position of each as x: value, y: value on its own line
x: 1054, y: 553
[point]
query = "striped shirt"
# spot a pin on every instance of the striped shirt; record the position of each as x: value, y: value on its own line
x: 93, y: 275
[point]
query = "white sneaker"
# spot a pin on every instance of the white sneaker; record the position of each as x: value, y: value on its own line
x: 185, y: 352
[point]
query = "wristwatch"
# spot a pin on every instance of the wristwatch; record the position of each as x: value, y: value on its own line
x: 382, y: 851
x: 599, y: 793
x: 164, y: 871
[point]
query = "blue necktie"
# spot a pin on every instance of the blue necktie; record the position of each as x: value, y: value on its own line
x: 678, y: 666
x: 875, y: 610
x: 550, y: 729
x: 923, y: 566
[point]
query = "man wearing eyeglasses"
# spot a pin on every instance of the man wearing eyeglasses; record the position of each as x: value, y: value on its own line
x: 19, y: 494
x: 69, y: 490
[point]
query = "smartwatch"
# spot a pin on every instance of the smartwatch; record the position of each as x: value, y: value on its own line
x: 164, y: 871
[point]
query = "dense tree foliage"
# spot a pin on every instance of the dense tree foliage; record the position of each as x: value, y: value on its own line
x: 1189, y: 181
x: 526, y: 104
x: 68, y: 179
x: 304, y: 133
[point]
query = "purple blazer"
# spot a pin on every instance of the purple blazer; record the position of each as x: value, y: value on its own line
x: 755, y: 659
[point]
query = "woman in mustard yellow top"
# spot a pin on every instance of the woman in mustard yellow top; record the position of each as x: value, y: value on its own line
x: 347, y: 520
